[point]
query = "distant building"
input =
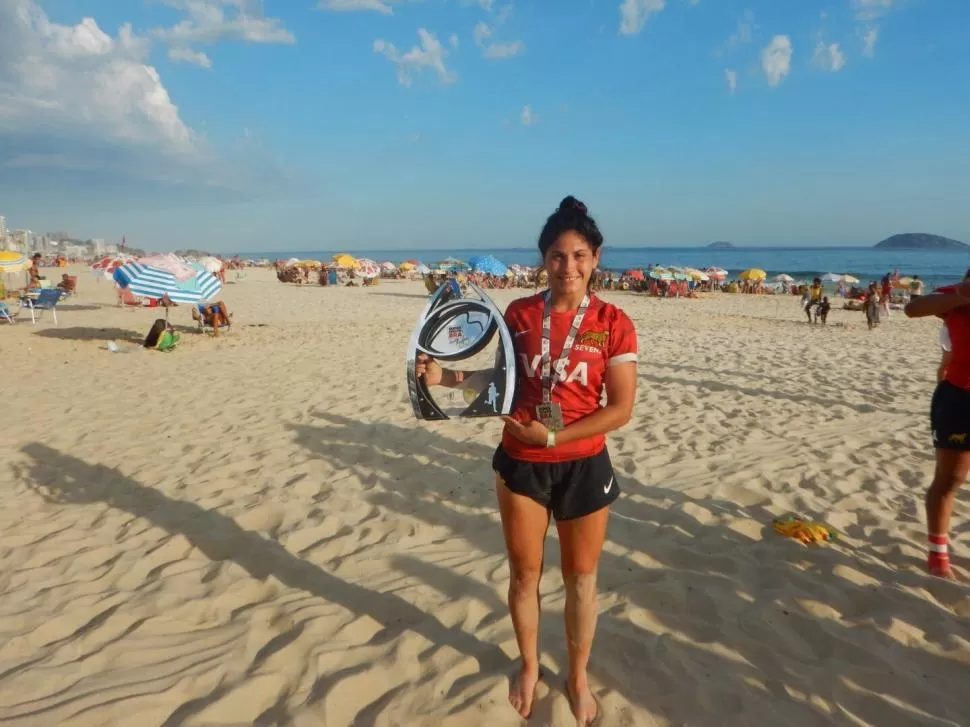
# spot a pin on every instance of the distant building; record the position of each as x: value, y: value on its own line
x: 3, y: 229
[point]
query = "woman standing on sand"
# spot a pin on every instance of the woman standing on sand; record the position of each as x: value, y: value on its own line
x: 553, y: 459
x: 949, y: 416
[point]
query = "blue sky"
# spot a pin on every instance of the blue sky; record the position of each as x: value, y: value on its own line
x: 352, y: 124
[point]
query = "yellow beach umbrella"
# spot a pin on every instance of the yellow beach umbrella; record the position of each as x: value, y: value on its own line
x: 407, y: 266
x: 310, y: 263
x: 903, y: 282
x: 850, y: 279
x: 753, y: 274
x: 344, y: 260
x: 13, y: 262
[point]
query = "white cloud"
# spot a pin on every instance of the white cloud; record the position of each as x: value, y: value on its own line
x: 869, y: 42
x: 212, y: 21
x: 635, y: 13
x: 776, y: 59
x: 187, y: 55
x: 731, y: 77
x: 453, y: 40
x: 74, y: 99
x: 481, y: 33
x: 872, y: 9
x: 429, y: 55
x: 354, y: 5
x: 79, y: 81
x: 527, y: 117
x: 828, y: 57
x: 743, y: 33
x: 492, y: 50
x: 498, y: 51
x: 486, y: 5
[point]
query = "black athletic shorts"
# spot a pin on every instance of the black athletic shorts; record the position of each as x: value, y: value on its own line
x: 950, y: 417
x: 570, y: 489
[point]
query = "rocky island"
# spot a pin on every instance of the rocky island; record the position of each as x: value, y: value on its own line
x: 920, y: 241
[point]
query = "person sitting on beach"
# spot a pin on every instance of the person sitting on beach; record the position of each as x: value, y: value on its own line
x: 949, y: 416
x: 161, y: 336
x: 553, y: 458
x: 814, y: 297
x: 214, y: 315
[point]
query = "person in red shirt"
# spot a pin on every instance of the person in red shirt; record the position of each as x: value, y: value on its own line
x: 949, y: 416
x: 552, y: 460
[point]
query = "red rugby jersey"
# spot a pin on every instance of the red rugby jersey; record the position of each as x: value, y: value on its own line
x: 606, y: 337
x: 958, y: 326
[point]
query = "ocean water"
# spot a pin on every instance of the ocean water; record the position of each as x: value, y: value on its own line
x: 935, y: 267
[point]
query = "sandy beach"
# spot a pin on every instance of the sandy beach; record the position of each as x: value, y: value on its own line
x: 255, y: 530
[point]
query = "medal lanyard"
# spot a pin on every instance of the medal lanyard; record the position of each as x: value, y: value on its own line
x: 567, y: 346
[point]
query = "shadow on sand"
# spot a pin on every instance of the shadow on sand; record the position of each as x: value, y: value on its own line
x: 721, y: 594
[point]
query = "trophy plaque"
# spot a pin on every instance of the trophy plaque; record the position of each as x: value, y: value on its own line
x: 455, y: 327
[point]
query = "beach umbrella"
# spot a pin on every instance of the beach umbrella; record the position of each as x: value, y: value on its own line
x: 753, y: 274
x: 660, y: 274
x: 313, y: 264
x: 422, y: 269
x: 488, y: 264
x: 409, y: 265
x: 211, y: 264
x: 453, y: 264
x: 831, y: 278
x: 13, y: 262
x: 150, y: 282
x: 388, y: 267
x: 368, y: 268
x: 903, y: 283
x: 717, y: 273
x: 344, y: 260
x: 635, y: 274
x: 784, y: 278
x: 850, y: 279
x: 106, y: 266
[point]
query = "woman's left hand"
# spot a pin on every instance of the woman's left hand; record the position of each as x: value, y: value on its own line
x: 535, y: 432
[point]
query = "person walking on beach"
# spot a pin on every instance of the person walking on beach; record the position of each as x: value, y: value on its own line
x: 949, y: 416
x: 553, y: 458
x: 814, y: 297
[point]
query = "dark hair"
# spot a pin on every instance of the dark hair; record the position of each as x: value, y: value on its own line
x: 570, y: 216
x: 155, y: 332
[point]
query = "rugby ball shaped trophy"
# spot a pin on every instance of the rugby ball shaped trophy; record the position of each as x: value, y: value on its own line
x: 454, y: 327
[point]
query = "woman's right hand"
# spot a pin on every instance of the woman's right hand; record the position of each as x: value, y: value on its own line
x: 428, y: 368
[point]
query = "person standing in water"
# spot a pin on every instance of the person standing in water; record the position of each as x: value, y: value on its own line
x: 949, y: 416
x: 553, y: 460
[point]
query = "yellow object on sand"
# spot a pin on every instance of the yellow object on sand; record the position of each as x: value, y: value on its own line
x: 803, y: 531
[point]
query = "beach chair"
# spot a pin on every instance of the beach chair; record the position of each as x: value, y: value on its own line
x: 205, y: 327
x: 6, y: 314
x: 47, y: 299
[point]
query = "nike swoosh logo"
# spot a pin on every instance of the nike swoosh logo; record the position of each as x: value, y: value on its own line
x: 608, y: 487
x: 522, y: 333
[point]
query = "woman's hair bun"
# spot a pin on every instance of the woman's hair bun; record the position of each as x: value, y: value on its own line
x: 571, y: 204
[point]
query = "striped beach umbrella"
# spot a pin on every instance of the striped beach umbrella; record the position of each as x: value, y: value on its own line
x: 150, y: 282
x: 13, y: 262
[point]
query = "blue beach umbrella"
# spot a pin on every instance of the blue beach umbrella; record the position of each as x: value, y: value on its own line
x: 151, y: 282
x: 488, y: 264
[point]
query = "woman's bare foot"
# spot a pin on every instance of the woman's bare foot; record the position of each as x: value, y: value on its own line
x: 582, y: 701
x: 522, y: 690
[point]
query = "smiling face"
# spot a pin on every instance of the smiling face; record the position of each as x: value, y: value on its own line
x: 570, y: 262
